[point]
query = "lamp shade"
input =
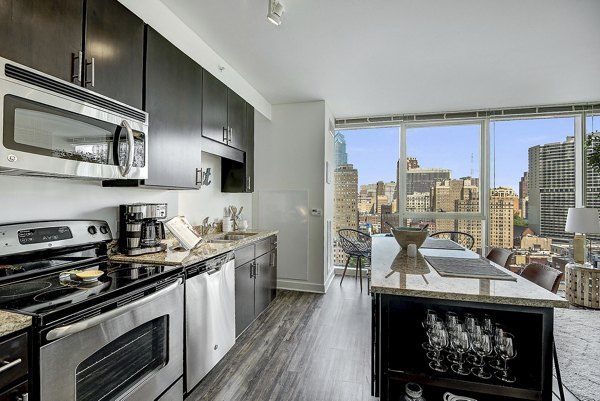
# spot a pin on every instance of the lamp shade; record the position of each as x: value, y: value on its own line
x: 582, y: 220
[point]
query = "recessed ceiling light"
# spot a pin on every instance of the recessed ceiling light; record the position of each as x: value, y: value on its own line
x: 275, y: 12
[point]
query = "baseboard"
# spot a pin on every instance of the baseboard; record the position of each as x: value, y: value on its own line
x: 329, y: 279
x: 301, y: 286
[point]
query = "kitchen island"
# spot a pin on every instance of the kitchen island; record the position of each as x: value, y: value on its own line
x: 405, y: 288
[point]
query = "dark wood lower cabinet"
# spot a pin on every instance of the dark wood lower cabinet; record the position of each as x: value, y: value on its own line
x: 255, y: 281
x: 244, y: 297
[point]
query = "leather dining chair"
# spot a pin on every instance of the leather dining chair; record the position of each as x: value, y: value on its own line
x: 545, y: 276
x: 500, y: 256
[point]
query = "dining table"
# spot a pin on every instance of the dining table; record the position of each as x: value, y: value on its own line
x: 447, y: 280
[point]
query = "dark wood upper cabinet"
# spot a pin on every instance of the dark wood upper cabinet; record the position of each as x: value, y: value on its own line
x: 214, y: 108
x: 225, y: 113
x: 239, y: 176
x: 236, y: 116
x: 44, y: 35
x: 174, y: 102
x: 61, y: 37
x: 114, y: 51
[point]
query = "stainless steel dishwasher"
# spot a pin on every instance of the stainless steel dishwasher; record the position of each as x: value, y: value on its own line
x: 210, y: 315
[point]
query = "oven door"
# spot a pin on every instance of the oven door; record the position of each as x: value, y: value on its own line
x: 134, y: 352
x: 81, y: 135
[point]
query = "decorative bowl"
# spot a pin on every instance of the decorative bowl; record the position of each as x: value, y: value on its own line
x: 409, y: 235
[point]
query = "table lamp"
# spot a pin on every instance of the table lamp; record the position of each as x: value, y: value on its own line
x: 581, y: 221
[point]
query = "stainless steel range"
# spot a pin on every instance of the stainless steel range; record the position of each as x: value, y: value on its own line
x: 101, y: 330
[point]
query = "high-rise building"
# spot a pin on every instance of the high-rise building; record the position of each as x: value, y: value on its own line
x: 457, y: 196
x: 502, y: 211
x: 418, y: 202
x: 551, y: 187
x: 424, y: 179
x: 341, y: 156
x: 345, y: 203
x: 523, y: 195
x: 412, y: 163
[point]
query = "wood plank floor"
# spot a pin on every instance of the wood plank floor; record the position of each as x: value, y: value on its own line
x: 304, y: 347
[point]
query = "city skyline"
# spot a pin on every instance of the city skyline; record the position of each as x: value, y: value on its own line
x: 374, y: 151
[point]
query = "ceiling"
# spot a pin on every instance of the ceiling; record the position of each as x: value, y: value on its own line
x: 368, y: 58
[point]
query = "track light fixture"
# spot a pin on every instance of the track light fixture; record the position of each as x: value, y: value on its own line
x: 275, y: 12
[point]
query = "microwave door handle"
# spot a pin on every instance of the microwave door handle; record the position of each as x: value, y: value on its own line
x: 64, y: 331
x: 130, y: 154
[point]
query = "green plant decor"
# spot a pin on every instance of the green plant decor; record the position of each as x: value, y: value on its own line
x: 592, y: 145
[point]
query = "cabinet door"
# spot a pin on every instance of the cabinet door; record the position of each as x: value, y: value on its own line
x: 236, y: 120
x: 44, y: 35
x: 249, y: 148
x: 244, y: 297
x: 214, y: 108
x: 262, y: 287
x: 239, y: 177
x: 173, y: 101
x: 273, y: 274
x: 114, y: 38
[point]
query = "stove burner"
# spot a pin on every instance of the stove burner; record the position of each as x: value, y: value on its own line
x: 54, y: 294
x: 22, y: 289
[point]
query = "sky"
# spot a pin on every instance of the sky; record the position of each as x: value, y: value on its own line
x: 375, y: 151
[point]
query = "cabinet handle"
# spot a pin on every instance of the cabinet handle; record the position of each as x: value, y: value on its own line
x: 93, y: 65
x: 252, y: 270
x: 199, y: 182
x: 230, y: 134
x: 77, y: 70
x: 23, y: 397
x: 249, y: 185
x: 272, y: 259
x: 9, y: 365
x: 225, y: 131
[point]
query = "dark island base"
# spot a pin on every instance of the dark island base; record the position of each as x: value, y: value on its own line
x: 398, y: 358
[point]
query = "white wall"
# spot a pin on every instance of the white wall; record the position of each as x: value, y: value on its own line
x: 36, y: 198
x: 289, y: 156
x: 165, y: 22
x: 328, y: 209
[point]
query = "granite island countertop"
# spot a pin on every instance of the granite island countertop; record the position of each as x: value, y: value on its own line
x: 174, y: 256
x: 394, y: 273
x: 12, y: 322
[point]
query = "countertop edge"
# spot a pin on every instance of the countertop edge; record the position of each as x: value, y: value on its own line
x: 496, y: 300
x: 11, y: 322
x: 193, y: 258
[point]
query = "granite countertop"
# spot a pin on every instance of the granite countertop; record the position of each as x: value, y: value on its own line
x: 393, y: 272
x: 177, y: 257
x: 13, y: 322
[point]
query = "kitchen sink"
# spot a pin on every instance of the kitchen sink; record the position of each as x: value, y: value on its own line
x: 229, y: 237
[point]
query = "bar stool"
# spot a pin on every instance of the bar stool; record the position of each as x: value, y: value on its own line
x: 357, y: 245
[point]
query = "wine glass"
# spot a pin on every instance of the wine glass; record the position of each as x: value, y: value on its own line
x: 470, y: 322
x: 506, y: 350
x: 451, y: 319
x: 459, y: 341
x: 487, y: 325
x: 499, y: 331
x: 482, y: 345
x: 438, y: 338
x: 430, y: 319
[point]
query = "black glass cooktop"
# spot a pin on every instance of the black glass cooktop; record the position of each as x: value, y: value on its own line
x: 63, y: 289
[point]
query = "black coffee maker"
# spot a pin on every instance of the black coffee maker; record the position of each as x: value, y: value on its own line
x: 140, y: 230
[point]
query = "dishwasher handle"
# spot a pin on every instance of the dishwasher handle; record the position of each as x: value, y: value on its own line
x: 64, y: 331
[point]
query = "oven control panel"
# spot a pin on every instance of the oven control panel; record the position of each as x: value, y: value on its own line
x: 34, y: 236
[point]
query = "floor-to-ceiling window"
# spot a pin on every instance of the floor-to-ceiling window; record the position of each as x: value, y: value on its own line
x: 507, y: 180
x: 365, y: 190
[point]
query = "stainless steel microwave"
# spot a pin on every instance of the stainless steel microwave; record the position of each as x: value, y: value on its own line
x: 54, y: 128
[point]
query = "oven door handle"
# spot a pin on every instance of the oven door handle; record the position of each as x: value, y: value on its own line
x: 64, y: 331
x: 131, y: 151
